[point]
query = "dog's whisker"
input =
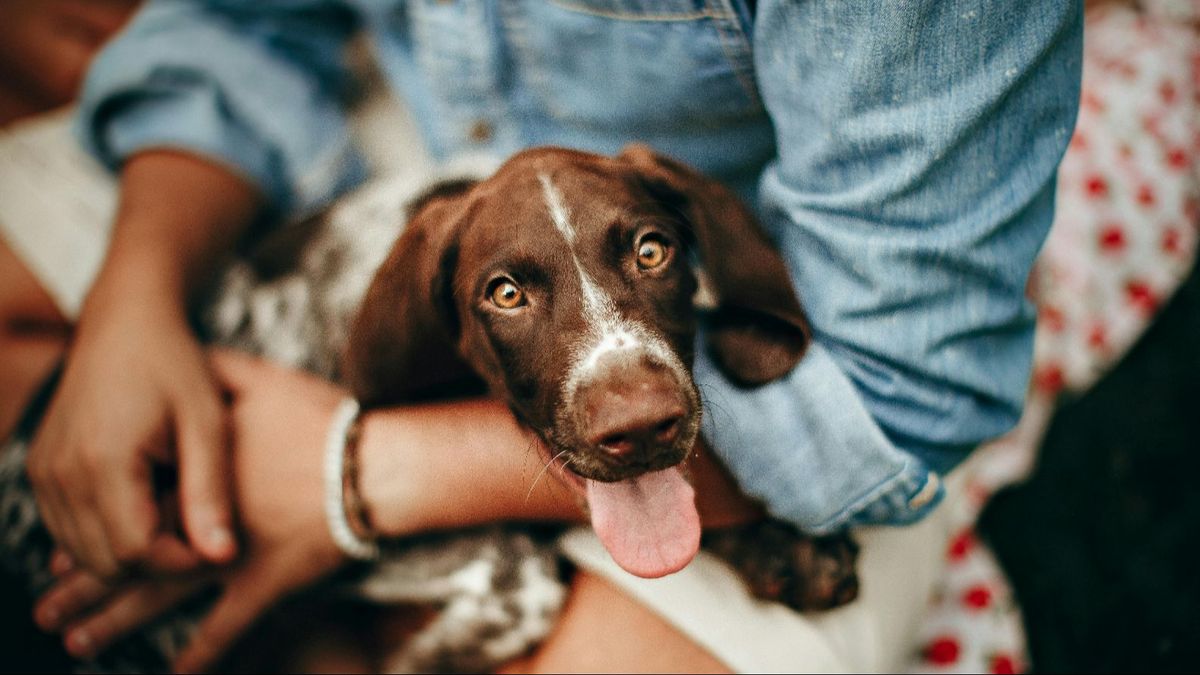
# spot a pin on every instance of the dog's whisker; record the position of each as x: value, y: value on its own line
x: 559, y: 488
x: 527, y: 459
x: 542, y: 472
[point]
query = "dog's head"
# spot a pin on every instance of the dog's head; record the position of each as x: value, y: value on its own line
x: 567, y: 282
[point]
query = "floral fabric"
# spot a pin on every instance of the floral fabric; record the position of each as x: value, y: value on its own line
x: 1124, y: 238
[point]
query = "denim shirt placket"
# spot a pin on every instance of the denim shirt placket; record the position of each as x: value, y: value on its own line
x: 457, y: 53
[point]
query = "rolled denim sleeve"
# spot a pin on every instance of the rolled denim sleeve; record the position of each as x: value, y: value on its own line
x: 255, y: 86
x: 918, y: 144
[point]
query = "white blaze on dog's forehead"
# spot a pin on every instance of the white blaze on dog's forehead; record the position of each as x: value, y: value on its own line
x: 558, y: 210
x: 610, y: 331
x: 596, y: 302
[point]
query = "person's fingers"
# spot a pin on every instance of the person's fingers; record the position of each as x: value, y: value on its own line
x: 95, y: 552
x: 205, y: 478
x: 168, y: 554
x: 77, y: 590
x: 235, y: 371
x: 72, y: 503
x: 250, y: 591
x: 125, y: 611
x: 61, y: 562
x: 72, y: 594
x: 47, y: 493
x: 68, y: 474
x: 52, y: 513
x: 128, y: 510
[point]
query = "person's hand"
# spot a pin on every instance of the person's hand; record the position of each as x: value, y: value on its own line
x: 46, y: 45
x: 136, y: 392
x: 279, y: 420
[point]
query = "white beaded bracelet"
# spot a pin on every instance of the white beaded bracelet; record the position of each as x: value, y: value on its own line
x: 335, y: 465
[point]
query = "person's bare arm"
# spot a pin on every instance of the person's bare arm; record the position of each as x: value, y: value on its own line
x: 178, y: 214
x: 469, y: 462
x: 137, y: 389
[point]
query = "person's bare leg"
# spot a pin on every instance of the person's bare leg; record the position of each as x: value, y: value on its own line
x: 33, y: 336
x: 603, y: 630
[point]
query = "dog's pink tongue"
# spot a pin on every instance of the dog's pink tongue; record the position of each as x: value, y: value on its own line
x: 648, y: 524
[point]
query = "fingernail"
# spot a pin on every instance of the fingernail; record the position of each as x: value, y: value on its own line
x: 221, y: 540
x: 79, y: 643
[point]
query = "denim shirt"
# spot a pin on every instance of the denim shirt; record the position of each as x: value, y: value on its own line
x: 901, y: 154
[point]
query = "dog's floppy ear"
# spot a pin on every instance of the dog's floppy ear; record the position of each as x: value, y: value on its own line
x: 402, y: 343
x: 758, y: 331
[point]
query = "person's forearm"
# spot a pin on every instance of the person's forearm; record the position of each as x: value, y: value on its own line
x: 415, y: 485
x: 497, y: 472
x: 178, y: 213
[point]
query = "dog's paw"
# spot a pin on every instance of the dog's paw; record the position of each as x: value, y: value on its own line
x: 780, y: 564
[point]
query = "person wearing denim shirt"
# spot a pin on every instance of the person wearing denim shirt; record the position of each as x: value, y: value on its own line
x: 902, y: 155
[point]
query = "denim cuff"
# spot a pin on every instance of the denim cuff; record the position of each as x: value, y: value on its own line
x: 189, y: 119
x: 906, y: 498
x: 806, y: 446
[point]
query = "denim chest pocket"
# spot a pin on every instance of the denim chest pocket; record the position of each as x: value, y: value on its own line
x: 634, y: 65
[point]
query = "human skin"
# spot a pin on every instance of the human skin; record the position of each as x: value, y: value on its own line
x: 33, y: 336
x: 46, y: 46
x: 136, y: 389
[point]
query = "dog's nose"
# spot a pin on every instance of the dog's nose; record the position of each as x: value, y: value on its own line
x: 633, y: 413
x: 632, y: 437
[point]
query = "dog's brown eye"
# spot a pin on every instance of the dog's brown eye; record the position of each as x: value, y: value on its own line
x: 651, y: 252
x: 506, y: 295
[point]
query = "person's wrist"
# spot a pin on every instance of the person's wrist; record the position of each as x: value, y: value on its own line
x: 143, y: 285
x: 345, y: 510
x: 108, y: 310
x: 384, y: 478
x: 150, y: 265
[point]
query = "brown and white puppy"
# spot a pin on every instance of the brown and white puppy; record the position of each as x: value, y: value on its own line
x: 565, y: 282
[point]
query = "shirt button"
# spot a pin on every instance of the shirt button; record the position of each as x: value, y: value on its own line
x: 926, y: 493
x: 481, y: 131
